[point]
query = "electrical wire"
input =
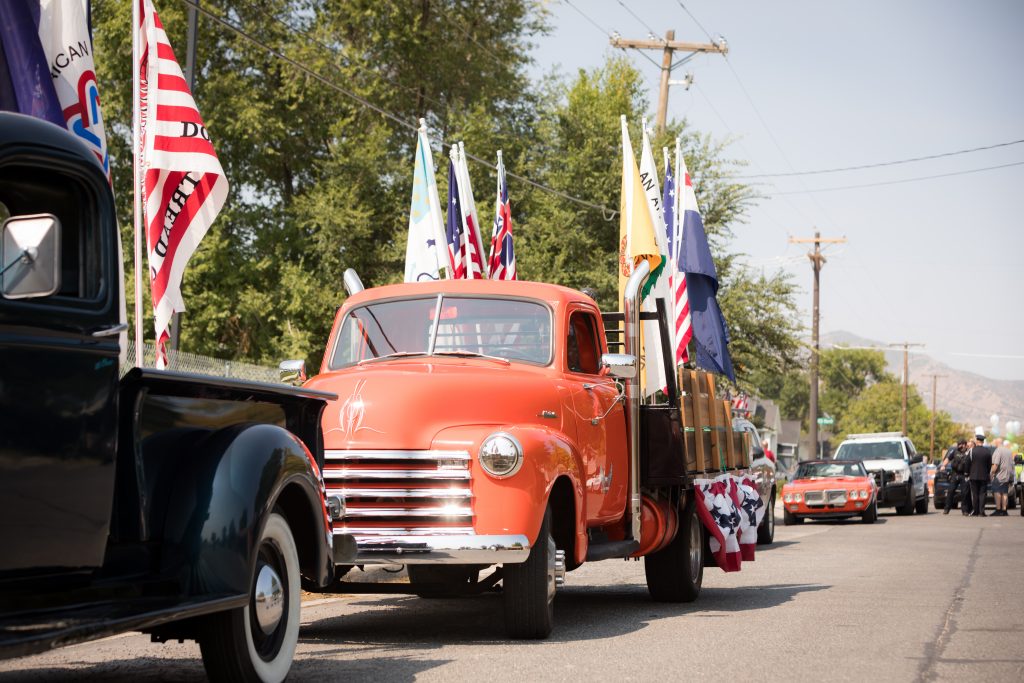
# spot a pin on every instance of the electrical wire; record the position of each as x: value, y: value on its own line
x: 606, y: 213
x: 881, y: 163
x: 899, y: 182
x: 642, y: 22
x: 695, y: 21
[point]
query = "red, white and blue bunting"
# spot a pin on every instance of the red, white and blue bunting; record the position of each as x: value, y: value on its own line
x: 730, y: 508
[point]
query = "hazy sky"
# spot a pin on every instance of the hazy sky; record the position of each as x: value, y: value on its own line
x: 841, y: 84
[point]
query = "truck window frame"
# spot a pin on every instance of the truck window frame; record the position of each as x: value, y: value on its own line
x: 587, y: 318
x: 93, y: 265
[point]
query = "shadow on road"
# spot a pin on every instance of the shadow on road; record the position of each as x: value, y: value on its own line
x: 581, y: 613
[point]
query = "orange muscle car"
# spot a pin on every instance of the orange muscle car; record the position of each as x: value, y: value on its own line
x: 830, y: 489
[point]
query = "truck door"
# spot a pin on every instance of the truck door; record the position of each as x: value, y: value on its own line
x: 600, y: 422
x: 918, y: 470
x: 59, y: 373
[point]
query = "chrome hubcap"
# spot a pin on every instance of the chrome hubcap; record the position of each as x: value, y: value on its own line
x: 268, y: 599
x: 559, y: 567
x: 553, y: 572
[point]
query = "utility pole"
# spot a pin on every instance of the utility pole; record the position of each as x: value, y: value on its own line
x: 906, y: 376
x: 817, y: 261
x: 668, y: 46
x: 935, y: 383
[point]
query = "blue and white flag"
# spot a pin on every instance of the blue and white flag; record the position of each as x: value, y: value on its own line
x: 47, y: 68
x: 710, y: 334
x: 426, y: 254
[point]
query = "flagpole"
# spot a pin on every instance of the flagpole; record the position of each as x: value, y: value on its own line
x: 137, y: 198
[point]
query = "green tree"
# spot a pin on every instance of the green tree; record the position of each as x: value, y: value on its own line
x: 878, y: 408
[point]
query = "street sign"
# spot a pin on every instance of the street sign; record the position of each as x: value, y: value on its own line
x: 826, y: 420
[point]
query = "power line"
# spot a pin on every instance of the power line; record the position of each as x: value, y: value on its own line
x: 588, y: 18
x: 695, y: 20
x: 606, y: 213
x: 898, y: 182
x: 881, y: 163
x: 642, y: 22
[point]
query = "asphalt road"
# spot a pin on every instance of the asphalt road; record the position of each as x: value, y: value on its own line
x: 921, y: 598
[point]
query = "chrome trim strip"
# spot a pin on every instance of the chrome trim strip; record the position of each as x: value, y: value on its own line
x: 441, y: 511
x: 375, y: 531
x: 342, y: 455
x: 357, y: 493
x: 417, y: 475
x: 487, y: 550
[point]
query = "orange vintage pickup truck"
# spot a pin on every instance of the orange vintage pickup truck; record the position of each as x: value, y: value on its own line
x: 484, y: 423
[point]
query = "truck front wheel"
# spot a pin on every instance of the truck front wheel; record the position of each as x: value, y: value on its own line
x: 675, y: 573
x: 257, y: 642
x: 529, y: 589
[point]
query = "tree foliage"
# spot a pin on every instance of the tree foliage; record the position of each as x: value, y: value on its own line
x: 878, y: 408
x: 321, y: 178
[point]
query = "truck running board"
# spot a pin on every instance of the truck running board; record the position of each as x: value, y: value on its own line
x: 611, y: 550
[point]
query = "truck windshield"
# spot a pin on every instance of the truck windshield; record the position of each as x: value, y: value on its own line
x: 815, y: 470
x: 886, y: 450
x: 513, y: 329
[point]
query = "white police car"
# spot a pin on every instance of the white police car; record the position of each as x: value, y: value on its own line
x: 899, y: 472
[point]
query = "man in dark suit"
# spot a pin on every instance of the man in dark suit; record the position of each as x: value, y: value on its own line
x: 981, y: 471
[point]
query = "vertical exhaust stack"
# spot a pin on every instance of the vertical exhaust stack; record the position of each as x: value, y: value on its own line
x: 631, y: 338
x: 353, y: 285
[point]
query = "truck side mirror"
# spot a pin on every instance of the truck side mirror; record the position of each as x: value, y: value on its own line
x: 621, y: 365
x: 293, y: 371
x: 916, y: 459
x: 30, y: 256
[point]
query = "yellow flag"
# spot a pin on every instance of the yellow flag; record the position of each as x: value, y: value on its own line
x: 636, y: 229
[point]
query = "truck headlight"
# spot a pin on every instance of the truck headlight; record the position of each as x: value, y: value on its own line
x: 501, y: 455
x: 899, y: 476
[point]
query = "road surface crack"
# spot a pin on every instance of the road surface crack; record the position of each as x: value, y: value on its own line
x: 933, y: 651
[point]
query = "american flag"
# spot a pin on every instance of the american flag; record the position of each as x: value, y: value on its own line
x: 453, y: 228
x: 682, y: 327
x: 183, y: 184
x: 474, y: 244
x: 502, y: 262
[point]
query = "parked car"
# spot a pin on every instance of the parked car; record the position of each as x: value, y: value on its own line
x: 830, y: 489
x: 942, y: 490
x: 762, y: 470
x: 898, y: 470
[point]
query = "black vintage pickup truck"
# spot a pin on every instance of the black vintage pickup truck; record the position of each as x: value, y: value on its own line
x: 183, y: 506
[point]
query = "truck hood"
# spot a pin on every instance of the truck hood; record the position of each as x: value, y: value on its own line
x: 889, y: 465
x: 403, y: 404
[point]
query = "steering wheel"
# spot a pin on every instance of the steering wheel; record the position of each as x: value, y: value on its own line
x: 510, y: 352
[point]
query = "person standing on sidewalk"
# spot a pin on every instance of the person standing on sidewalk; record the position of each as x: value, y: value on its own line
x: 980, y: 473
x: 958, y: 466
x: 1002, y: 477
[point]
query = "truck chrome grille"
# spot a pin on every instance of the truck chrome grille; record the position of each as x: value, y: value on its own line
x: 401, y: 493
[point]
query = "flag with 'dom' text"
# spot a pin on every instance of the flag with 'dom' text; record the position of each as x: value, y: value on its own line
x: 184, y: 186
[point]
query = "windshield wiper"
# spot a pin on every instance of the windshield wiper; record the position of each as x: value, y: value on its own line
x: 472, y: 354
x: 397, y: 354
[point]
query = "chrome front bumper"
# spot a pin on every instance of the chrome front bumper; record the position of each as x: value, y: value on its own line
x: 455, y: 549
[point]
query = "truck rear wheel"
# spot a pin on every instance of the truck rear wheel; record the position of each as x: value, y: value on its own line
x: 675, y: 573
x: 921, y: 507
x: 766, y: 530
x: 443, y: 580
x: 257, y: 642
x: 529, y: 589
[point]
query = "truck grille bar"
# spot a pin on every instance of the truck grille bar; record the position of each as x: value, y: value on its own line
x: 401, y: 492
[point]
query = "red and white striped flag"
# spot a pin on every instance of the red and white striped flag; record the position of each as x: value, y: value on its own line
x: 473, y: 241
x: 183, y: 184
x: 683, y: 327
x: 502, y: 262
